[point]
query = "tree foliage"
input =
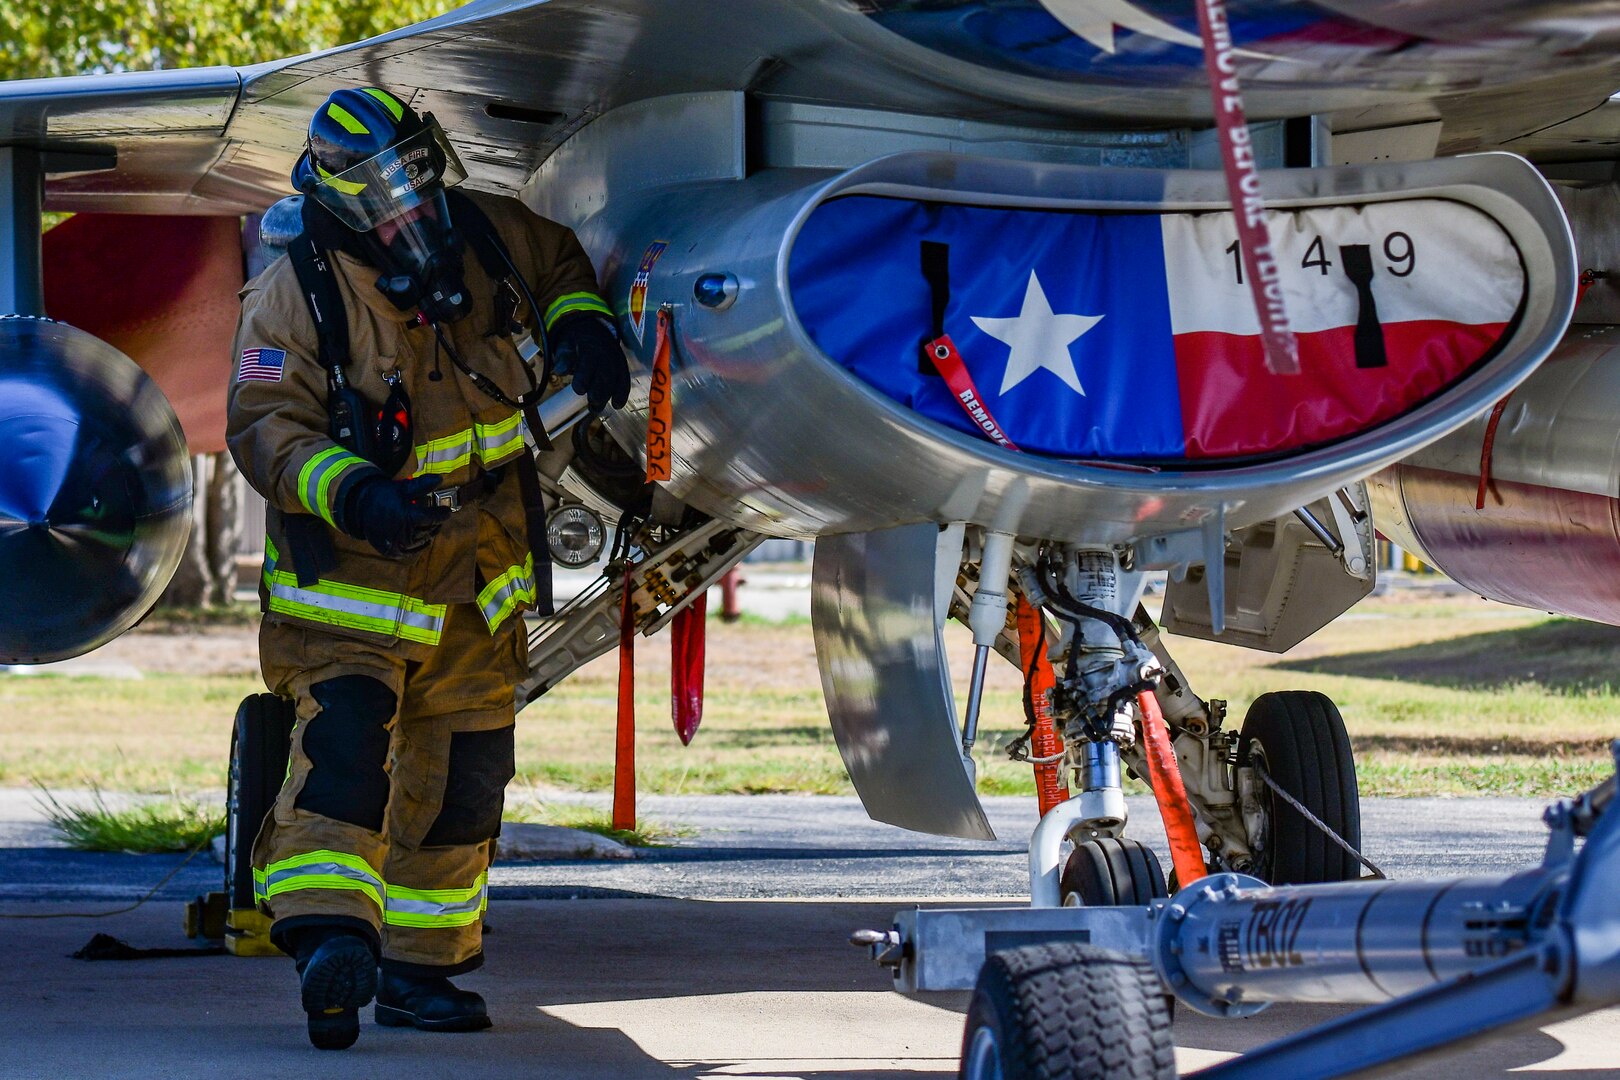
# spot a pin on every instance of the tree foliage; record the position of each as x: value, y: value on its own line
x: 41, y: 38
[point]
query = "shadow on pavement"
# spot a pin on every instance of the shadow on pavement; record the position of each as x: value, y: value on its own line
x: 622, y: 988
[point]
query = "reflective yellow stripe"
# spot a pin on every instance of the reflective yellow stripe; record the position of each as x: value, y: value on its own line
x: 325, y: 870
x: 572, y: 302
x: 501, y: 597
x: 348, y: 187
x: 499, y: 440
x: 319, y: 475
x: 389, y: 101
x: 436, y: 908
x: 491, y: 443
x: 354, y: 607
x: 347, y: 119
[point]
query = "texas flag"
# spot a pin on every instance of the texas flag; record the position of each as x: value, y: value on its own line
x: 1133, y: 337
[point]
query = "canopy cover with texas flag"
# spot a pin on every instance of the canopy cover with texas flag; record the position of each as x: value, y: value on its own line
x: 1132, y: 337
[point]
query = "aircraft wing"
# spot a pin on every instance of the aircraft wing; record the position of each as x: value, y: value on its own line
x: 514, y: 79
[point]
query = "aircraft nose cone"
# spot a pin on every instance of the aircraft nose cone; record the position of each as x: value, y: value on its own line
x: 94, y: 492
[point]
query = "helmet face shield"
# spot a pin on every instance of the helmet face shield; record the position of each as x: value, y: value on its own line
x: 414, y: 171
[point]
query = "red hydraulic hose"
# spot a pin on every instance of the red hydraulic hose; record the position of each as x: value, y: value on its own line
x: 1185, y: 851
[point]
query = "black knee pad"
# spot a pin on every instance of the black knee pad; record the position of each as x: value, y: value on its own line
x: 481, y: 765
x: 347, y: 745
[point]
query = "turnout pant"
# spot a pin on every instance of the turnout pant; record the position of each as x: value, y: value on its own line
x: 388, y: 818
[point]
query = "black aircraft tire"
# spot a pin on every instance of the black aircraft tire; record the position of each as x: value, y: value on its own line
x: 1111, y: 872
x: 260, y: 743
x: 1301, y: 740
x: 1067, y: 1011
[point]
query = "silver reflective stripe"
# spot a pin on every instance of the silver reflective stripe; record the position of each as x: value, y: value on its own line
x: 443, y: 456
x: 429, y: 907
x: 518, y: 587
x: 326, y: 868
x: 388, y: 613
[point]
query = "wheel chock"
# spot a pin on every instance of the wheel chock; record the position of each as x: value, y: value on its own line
x: 247, y: 933
x: 206, y: 916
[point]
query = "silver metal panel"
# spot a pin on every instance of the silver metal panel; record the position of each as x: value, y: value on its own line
x: 776, y: 437
x: 1594, y: 219
x: 800, y: 135
x: 1548, y: 536
x: 948, y: 946
x: 1559, y: 429
x: 1282, y: 583
x: 877, y: 624
x: 708, y: 145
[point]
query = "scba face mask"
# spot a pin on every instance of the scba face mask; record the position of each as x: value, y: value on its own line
x: 420, y: 256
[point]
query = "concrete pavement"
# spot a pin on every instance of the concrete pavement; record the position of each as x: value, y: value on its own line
x: 723, y: 957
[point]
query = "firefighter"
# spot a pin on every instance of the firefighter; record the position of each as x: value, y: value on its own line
x: 380, y: 406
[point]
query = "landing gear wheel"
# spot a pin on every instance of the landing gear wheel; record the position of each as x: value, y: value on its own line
x: 1069, y: 1011
x: 1111, y: 872
x: 1298, y: 737
x: 260, y: 743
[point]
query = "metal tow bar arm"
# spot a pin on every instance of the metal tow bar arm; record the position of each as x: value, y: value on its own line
x: 1450, y: 961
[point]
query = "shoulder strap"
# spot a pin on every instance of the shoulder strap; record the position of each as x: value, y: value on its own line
x: 482, y: 236
x: 318, y: 282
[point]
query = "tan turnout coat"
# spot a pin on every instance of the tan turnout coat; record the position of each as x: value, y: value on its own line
x: 277, y: 430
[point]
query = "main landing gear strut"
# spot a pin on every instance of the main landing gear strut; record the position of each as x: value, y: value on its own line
x: 1074, y: 986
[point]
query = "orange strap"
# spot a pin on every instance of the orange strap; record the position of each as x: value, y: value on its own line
x: 660, y: 412
x: 1277, y: 340
x: 1185, y: 851
x: 1038, y: 680
x: 624, y: 743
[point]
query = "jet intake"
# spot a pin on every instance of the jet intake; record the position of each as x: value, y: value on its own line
x: 1548, y: 533
x: 1116, y: 390
x: 95, y: 497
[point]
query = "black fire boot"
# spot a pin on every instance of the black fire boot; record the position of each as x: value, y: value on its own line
x: 428, y: 1003
x: 338, y: 974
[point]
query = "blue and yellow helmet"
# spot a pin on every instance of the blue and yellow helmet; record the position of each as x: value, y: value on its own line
x: 369, y: 157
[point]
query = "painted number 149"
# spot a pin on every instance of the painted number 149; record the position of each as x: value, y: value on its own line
x: 1398, y: 249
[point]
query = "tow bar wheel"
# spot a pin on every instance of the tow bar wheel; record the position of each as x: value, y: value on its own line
x: 1067, y: 1011
x: 1298, y: 738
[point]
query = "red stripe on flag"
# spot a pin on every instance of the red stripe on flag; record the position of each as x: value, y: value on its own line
x: 1231, y: 405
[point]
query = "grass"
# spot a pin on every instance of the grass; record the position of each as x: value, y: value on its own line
x: 1443, y: 696
x: 646, y: 834
x: 145, y: 827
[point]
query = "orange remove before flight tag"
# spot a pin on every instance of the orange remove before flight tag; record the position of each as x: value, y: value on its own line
x: 660, y: 409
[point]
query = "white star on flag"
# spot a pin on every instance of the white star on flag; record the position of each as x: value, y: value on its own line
x: 1038, y: 339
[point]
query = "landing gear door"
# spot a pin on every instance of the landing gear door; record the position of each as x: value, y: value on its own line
x: 877, y: 609
x: 1285, y: 578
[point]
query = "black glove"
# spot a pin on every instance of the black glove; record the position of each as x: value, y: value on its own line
x: 393, y: 516
x: 587, y: 347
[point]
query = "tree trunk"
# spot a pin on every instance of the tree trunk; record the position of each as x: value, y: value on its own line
x: 207, y: 572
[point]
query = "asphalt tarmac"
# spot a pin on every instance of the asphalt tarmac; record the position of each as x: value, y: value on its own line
x: 724, y: 956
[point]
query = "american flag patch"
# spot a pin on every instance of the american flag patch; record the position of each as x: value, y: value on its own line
x: 261, y: 365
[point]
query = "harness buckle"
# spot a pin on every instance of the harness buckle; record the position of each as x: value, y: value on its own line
x: 446, y: 497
